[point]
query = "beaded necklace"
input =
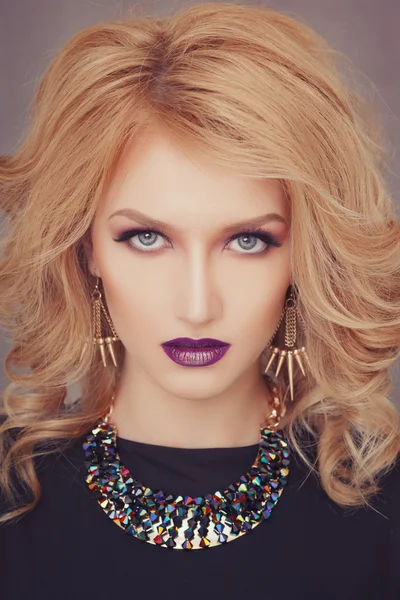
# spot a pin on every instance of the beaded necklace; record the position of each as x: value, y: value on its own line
x: 182, y: 522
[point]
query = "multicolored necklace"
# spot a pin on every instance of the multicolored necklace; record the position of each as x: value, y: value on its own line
x: 182, y: 522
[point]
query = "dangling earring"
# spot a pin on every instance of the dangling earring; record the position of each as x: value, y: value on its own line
x: 97, y: 308
x: 289, y: 314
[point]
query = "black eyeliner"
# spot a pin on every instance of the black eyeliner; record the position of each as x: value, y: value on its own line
x: 126, y: 235
x: 260, y: 233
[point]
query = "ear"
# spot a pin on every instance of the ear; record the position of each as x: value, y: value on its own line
x: 89, y: 254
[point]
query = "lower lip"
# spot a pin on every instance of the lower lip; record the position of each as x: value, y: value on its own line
x: 195, y: 357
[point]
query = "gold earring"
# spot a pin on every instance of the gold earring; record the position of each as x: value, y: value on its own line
x: 289, y: 351
x: 98, y: 308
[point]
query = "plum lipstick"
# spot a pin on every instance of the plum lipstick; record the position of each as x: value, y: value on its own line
x: 188, y: 352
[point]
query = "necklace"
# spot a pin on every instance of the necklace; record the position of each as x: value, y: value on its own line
x: 183, y: 522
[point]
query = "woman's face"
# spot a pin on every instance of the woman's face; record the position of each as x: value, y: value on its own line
x: 191, y: 276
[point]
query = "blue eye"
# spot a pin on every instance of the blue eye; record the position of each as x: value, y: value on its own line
x: 147, y: 238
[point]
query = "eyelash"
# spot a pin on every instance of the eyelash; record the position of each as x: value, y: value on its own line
x: 257, y: 232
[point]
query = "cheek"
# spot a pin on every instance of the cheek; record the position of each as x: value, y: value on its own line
x: 262, y: 307
x: 131, y: 289
x: 263, y: 315
x: 132, y: 308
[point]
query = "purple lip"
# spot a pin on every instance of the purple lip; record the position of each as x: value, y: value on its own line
x: 195, y: 357
x: 186, y: 342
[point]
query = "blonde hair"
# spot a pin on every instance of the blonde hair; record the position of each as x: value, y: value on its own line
x: 252, y: 90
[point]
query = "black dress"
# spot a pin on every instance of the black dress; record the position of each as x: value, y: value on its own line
x: 309, y: 548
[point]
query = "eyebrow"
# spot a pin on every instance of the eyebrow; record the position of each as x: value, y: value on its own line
x: 137, y: 215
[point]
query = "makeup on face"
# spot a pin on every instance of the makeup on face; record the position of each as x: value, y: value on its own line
x: 191, y: 357
x: 247, y: 229
x: 189, y: 352
x: 186, y: 351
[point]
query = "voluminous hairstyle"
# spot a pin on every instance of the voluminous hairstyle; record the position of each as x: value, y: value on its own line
x: 254, y: 91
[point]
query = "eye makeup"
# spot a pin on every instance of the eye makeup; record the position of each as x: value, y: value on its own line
x: 257, y: 232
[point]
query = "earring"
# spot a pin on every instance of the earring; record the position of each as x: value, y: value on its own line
x: 289, y: 351
x: 98, y: 308
x: 110, y: 410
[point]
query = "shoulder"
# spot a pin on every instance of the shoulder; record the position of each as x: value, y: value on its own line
x: 45, y: 463
x: 390, y: 480
x: 383, y: 507
x: 389, y: 492
x: 389, y: 507
x: 381, y: 515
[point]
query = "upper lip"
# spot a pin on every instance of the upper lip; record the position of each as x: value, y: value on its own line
x: 191, y: 343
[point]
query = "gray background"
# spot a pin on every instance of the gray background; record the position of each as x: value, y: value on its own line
x: 367, y: 31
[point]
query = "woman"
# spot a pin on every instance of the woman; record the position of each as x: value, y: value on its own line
x: 202, y: 175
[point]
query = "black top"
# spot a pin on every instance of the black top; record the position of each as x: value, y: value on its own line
x: 68, y: 548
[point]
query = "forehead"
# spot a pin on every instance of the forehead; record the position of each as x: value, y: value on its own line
x: 162, y: 179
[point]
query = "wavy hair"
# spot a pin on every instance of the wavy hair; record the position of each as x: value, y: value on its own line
x: 255, y: 91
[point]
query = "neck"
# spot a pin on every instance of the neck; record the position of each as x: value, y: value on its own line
x: 146, y: 412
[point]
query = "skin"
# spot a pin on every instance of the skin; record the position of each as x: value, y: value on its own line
x: 192, y: 283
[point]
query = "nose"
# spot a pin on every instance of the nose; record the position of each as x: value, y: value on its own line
x: 198, y: 293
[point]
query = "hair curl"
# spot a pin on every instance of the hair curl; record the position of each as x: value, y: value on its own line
x: 252, y: 90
